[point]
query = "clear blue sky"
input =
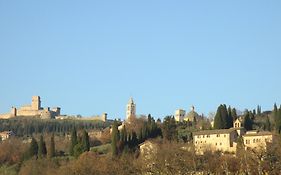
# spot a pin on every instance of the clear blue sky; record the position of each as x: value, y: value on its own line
x: 89, y: 57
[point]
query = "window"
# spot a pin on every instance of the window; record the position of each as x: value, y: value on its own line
x: 218, y: 135
x: 208, y: 136
x: 247, y: 141
x: 220, y: 143
x: 254, y: 140
x: 203, y: 136
x: 224, y: 135
x: 216, y: 144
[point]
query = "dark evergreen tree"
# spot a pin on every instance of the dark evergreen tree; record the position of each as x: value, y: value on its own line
x: 259, y: 110
x: 33, y: 149
x: 114, y: 139
x: 248, y: 123
x: 169, y: 128
x: 278, y: 121
x: 221, y: 120
x: 229, y: 118
x: 42, y: 150
x: 85, y: 141
x: 73, y: 141
x: 234, y: 114
x: 275, y: 117
x: 52, y: 151
x: 267, y: 125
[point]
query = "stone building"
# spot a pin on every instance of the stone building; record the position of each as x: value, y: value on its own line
x: 179, y: 115
x: 191, y: 116
x: 215, y: 140
x: 257, y: 140
x: 33, y: 110
x: 225, y: 140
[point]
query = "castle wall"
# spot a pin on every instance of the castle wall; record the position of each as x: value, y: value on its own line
x: 5, y: 116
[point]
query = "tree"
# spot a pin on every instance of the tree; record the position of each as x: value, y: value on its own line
x: 234, y: 114
x: 267, y: 125
x: 169, y: 128
x: 78, y: 150
x: 222, y: 119
x: 278, y: 121
x: 114, y: 139
x: 259, y: 110
x: 248, y: 123
x: 85, y: 141
x: 33, y: 149
x: 218, y: 121
x: 52, y: 147
x: 229, y: 118
x: 42, y: 150
x: 73, y: 141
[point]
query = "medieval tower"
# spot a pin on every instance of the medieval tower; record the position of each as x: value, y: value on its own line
x: 131, y: 109
x: 36, y: 103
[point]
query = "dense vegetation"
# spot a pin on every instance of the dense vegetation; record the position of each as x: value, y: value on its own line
x: 65, y: 147
x: 26, y: 126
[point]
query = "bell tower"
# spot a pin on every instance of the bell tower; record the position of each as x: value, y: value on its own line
x: 131, y: 109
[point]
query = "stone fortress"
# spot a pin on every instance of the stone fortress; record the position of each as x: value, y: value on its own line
x: 35, y: 110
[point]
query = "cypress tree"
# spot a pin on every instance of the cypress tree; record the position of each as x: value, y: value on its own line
x: 229, y: 118
x: 275, y: 117
x: 42, y: 150
x: 278, y: 121
x: 33, y: 149
x: 85, y: 142
x: 73, y: 141
x: 248, y: 123
x: 52, y: 147
x: 267, y: 126
x: 218, y: 123
x: 234, y: 114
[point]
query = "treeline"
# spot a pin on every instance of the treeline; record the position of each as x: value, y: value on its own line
x: 25, y: 126
x: 251, y: 119
x: 124, y: 141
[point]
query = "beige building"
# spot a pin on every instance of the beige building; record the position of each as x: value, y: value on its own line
x: 179, y: 115
x: 215, y: 140
x: 257, y: 140
x: 225, y: 140
x: 33, y: 110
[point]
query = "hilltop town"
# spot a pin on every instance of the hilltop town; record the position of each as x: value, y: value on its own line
x: 227, y: 136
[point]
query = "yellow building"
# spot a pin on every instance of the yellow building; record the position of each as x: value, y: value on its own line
x: 215, y: 140
x: 225, y: 140
x: 257, y: 140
